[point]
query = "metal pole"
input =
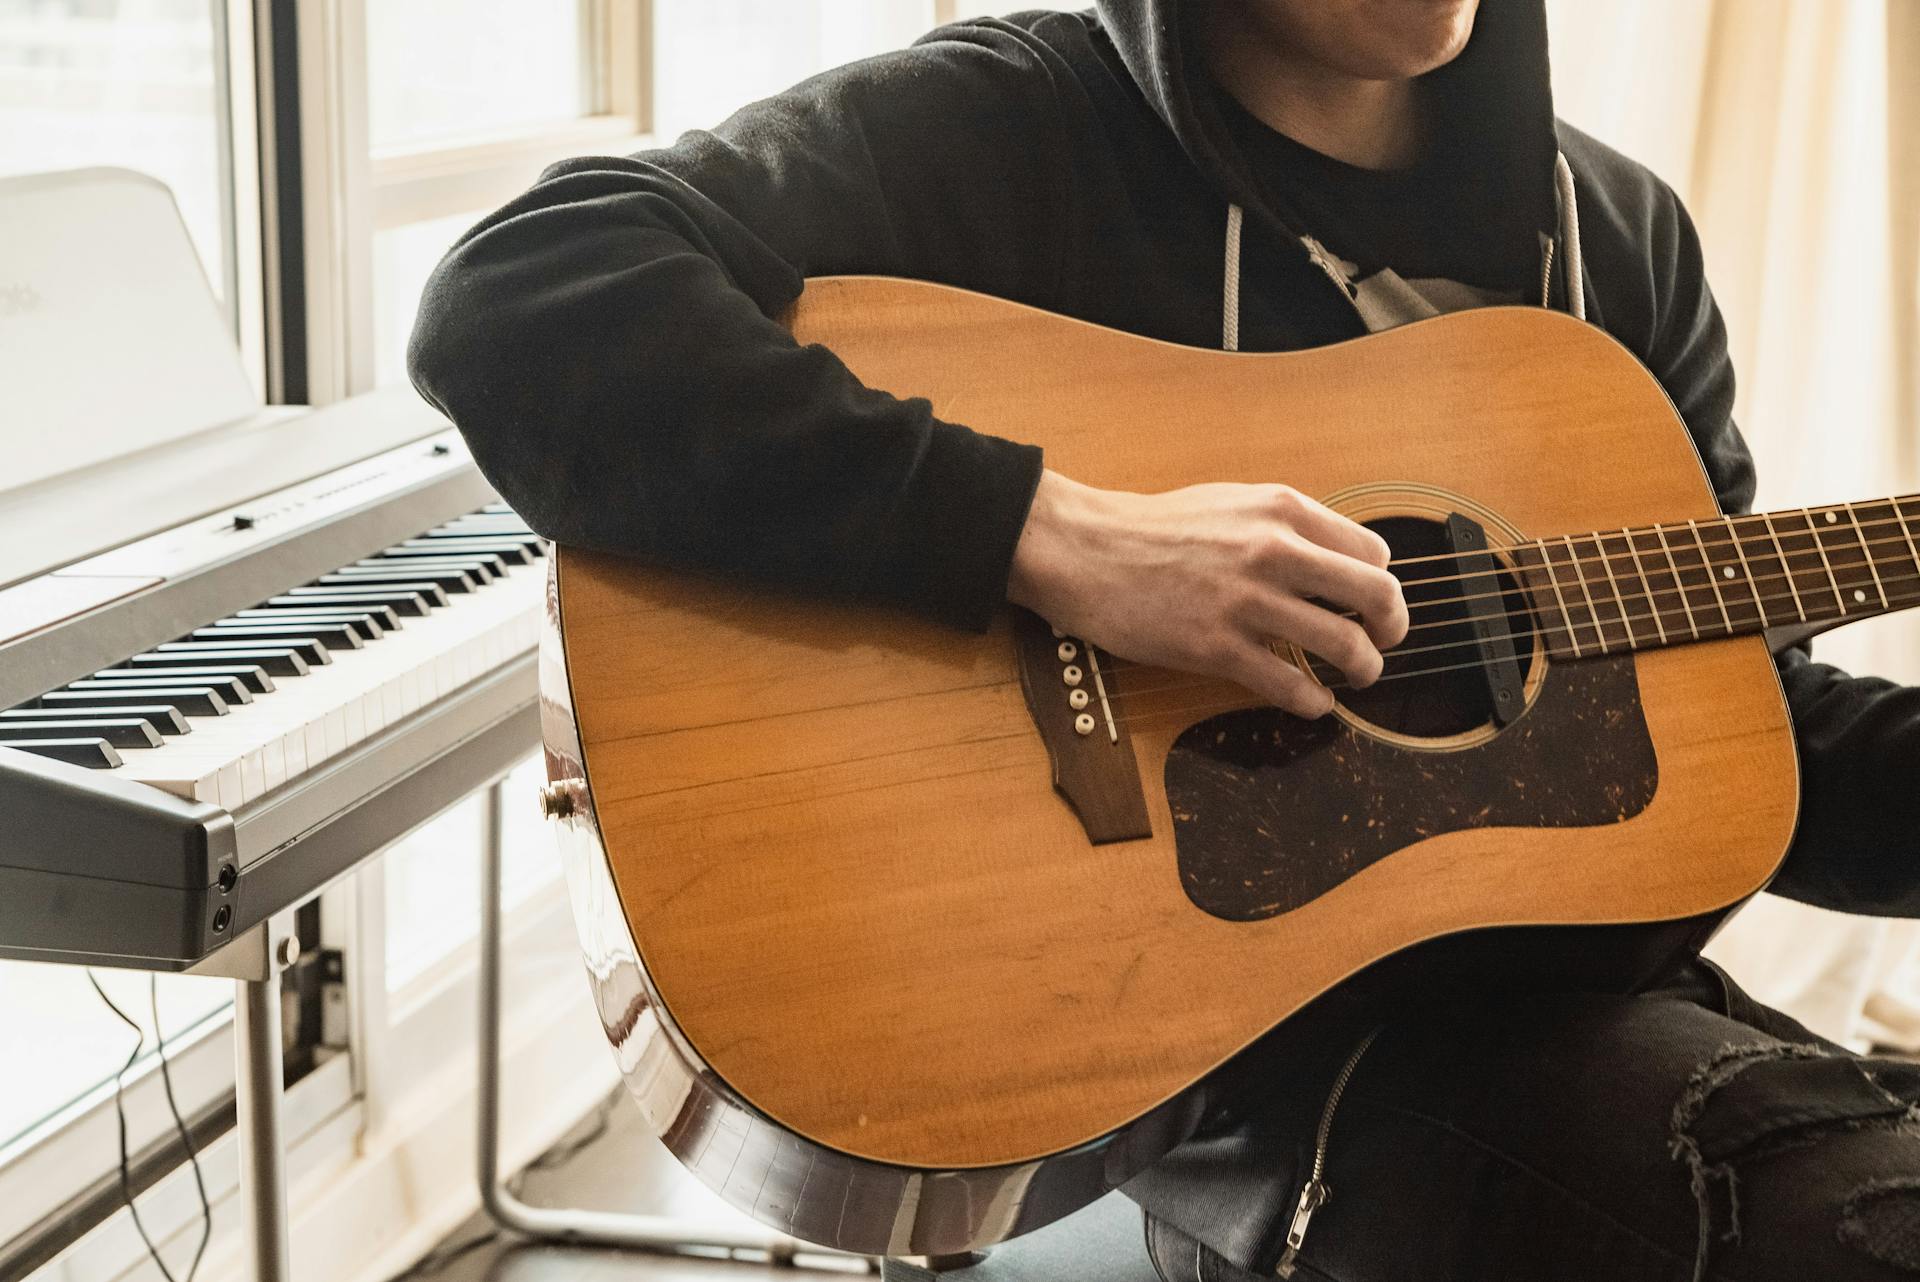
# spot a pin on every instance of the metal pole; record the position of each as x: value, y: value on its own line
x: 257, y: 1077
x: 643, y: 1232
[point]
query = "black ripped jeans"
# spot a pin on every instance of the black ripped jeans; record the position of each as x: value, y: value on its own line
x: 1684, y: 1133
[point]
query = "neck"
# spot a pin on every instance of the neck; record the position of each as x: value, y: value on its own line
x: 1373, y: 124
x: 1799, y: 570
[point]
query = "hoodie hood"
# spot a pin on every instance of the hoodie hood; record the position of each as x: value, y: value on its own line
x: 1491, y: 118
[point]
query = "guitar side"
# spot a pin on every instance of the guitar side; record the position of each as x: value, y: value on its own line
x: 875, y: 926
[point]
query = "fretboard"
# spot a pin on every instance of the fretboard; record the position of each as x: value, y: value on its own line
x: 1632, y: 589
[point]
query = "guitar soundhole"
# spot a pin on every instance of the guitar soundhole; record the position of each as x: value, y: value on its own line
x: 1433, y: 686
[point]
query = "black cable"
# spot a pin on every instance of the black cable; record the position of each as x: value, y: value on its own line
x: 180, y: 1127
x: 120, y: 1112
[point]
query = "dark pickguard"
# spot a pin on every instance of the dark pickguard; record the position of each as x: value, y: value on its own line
x: 1271, y: 812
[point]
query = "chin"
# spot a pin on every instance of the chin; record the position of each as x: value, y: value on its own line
x: 1372, y: 39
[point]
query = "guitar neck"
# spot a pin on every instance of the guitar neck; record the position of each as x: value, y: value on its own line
x: 1660, y: 585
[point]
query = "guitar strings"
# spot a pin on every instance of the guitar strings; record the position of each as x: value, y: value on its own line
x: 1580, y: 562
x: 1673, y: 586
x: 1604, y: 649
x: 1677, y: 587
x: 1597, y: 622
x: 1660, y: 529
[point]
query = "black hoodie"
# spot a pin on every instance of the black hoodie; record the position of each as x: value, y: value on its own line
x: 605, y: 342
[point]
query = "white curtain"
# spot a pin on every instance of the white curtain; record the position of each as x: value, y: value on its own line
x: 1791, y: 130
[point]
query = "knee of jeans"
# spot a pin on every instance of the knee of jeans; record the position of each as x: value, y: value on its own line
x: 1751, y: 1102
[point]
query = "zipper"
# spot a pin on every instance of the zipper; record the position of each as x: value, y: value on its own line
x: 1329, y: 263
x: 1317, y: 1193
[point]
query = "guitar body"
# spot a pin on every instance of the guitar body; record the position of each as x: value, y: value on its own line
x: 885, y: 986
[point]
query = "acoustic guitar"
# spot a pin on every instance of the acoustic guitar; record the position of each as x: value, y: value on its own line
x: 910, y: 939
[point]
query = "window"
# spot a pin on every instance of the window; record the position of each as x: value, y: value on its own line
x: 446, y: 68
x: 136, y: 84
x: 718, y: 55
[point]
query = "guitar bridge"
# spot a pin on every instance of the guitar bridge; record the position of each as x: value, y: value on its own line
x: 1070, y: 699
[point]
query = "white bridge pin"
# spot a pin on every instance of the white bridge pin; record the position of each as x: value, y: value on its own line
x: 1083, y: 724
x: 1077, y: 698
x: 1068, y: 650
x: 1071, y: 674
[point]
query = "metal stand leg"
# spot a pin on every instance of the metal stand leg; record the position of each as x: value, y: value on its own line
x: 645, y: 1232
x: 257, y: 1079
x: 254, y: 961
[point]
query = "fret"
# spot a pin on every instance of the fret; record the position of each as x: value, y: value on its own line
x: 1566, y: 619
x: 1543, y: 595
x: 1732, y: 576
x: 1586, y: 594
x: 1866, y: 551
x: 1820, y: 546
x: 1850, y: 556
x: 1608, y: 615
x: 1713, y: 580
x: 1786, y: 567
x: 1679, y: 583
x: 1653, y: 601
x: 1689, y: 557
x: 1908, y: 565
x: 1620, y: 600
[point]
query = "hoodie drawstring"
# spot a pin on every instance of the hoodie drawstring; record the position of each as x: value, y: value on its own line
x: 1230, y: 288
x: 1572, y: 264
x: 1574, y: 268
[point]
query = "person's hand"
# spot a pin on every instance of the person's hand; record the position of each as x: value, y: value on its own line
x: 1205, y: 578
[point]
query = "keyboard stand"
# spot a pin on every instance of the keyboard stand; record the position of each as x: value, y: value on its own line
x: 255, y: 961
x: 573, y: 1225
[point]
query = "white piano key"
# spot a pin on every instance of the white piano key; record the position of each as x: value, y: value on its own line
x: 252, y: 750
x: 230, y: 792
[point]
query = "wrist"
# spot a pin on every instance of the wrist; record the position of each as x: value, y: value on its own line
x: 1041, y: 558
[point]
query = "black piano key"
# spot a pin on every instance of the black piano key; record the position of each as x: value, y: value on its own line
x: 362, y: 624
x: 232, y: 690
x: 130, y: 732
x: 310, y: 652
x: 332, y: 636
x: 410, y: 605
x: 512, y: 551
x: 431, y: 593
x: 193, y: 701
x: 484, y: 527
x: 484, y: 568
x: 451, y: 581
x: 164, y: 719
x: 251, y: 675
x: 385, y: 615
x: 97, y: 753
x: 280, y: 660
